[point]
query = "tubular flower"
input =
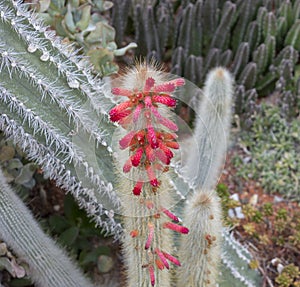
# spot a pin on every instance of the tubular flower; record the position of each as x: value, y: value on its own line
x: 172, y: 259
x: 150, y: 235
x: 150, y: 144
x: 176, y: 227
x: 151, y: 273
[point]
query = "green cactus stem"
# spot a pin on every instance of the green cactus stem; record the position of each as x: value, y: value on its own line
x: 49, y: 265
x: 47, y: 95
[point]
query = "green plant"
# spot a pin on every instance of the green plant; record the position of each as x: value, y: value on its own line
x: 48, y: 264
x: 288, y: 275
x: 57, y: 112
x: 272, y: 145
x: 257, y: 40
x: 17, y: 170
x: 84, y: 23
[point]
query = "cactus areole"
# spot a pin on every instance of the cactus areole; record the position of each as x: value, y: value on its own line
x: 150, y: 140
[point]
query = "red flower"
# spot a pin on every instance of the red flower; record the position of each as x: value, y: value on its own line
x: 170, y: 214
x: 138, y: 188
x: 162, y: 258
x: 172, y: 259
x: 150, y: 235
x: 151, y: 273
x: 176, y: 227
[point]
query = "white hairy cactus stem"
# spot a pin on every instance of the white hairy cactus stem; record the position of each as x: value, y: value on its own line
x: 200, y: 251
x: 49, y: 265
x: 137, y: 218
x: 212, y: 130
x: 144, y: 186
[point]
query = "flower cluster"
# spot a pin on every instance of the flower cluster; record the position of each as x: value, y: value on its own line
x: 150, y: 148
x: 150, y: 140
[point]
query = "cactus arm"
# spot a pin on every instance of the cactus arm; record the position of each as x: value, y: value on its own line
x: 221, y: 34
x: 144, y: 140
x: 46, y: 97
x: 134, y: 248
x: 49, y: 265
x: 235, y: 270
x: 200, y: 251
x: 211, y: 132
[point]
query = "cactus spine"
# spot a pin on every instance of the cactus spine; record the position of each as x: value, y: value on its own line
x: 48, y: 98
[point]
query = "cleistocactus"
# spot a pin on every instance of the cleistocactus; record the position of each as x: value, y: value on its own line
x: 57, y: 112
x: 145, y: 193
x: 203, y: 211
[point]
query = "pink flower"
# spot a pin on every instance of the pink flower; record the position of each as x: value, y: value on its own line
x: 150, y: 153
x: 170, y: 214
x: 151, y: 273
x: 151, y: 136
x: 121, y: 92
x: 153, y: 180
x: 126, y: 141
x: 136, y: 158
x: 172, y: 259
x: 150, y: 235
x: 127, y: 166
x: 162, y: 258
x: 165, y: 100
x: 176, y: 227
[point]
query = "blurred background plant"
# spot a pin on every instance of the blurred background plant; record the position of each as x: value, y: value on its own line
x: 257, y: 40
x: 17, y: 169
x: 86, y: 24
x: 269, y: 152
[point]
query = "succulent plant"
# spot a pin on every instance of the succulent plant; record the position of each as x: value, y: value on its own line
x: 56, y: 111
x: 49, y: 266
x: 85, y: 24
x: 258, y: 41
x: 272, y: 143
x: 16, y: 170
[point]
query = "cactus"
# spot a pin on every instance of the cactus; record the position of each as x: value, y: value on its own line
x: 253, y: 37
x: 150, y: 138
x: 44, y: 111
x: 49, y: 266
x: 84, y: 23
x: 56, y: 111
x: 244, y: 32
x: 203, y: 212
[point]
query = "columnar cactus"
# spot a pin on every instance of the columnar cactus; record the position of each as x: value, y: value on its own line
x: 258, y: 41
x: 203, y: 211
x: 53, y: 108
x: 49, y: 265
x: 47, y: 96
x: 145, y: 193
